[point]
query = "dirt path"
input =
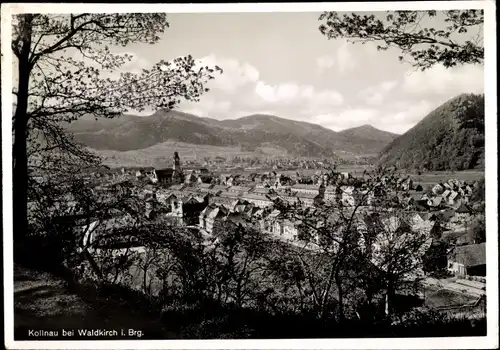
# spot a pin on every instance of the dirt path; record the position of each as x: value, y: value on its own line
x: 43, y: 302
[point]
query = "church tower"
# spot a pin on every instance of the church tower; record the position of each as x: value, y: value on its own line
x: 177, y: 175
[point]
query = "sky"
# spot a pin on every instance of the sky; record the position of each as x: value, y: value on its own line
x: 280, y: 64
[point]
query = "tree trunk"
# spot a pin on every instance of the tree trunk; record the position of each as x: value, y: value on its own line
x: 19, y: 149
x: 388, y: 299
x: 338, y: 282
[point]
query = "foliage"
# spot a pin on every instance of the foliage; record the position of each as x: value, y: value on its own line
x: 344, y: 266
x: 478, y: 229
x: 411, y: 32
x: 436, y: 260
x: 479, y: 192
x: 439, y: 142
x: 65, y: 65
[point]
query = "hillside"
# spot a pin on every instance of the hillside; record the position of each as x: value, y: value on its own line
x: 371, y: 137
x: 442, y: 140
x: 251, y: 133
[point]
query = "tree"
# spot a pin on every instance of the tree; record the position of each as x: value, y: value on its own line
x: 337, y: 236
x: 478, y: 230
x: 459, y: 42
x: 239, y: 262
x: 61, y: 60
x: 397, y: 250
x: 435, y: 260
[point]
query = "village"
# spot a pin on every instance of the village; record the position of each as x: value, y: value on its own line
x: 198, y: 199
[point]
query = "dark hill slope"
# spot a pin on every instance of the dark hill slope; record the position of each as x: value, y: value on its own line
x: 369, y: 136
x: 443, y: 140
x: 250, y: 133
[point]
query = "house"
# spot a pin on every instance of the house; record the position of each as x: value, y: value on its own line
x: 205, y: 178
x: 163, y: 196
x: 236, y: 204
x: 420, y: 223
x: 210, y: 191
x: 454, y: 198
x: 163, y: 176
x: 308, y: 199
x: 209, y: 217
x: 177, y: 187
x: 414, y: 201
x: 190, y: 179
x: 231, y: 180
x: 204, y: 197
x: 330, y: 194
x: 290, y: 230
x: 204, y: 186
x: 468, y: 190
x: 253, y: 177
x: 261, y: 190
x: 303, y: 188
x: 345, y: 175
x: 225, y: 198
x: 253, y: 212
x: 272, y: 223
x: 437, y: 189
x: 347, y: 196
x: 435, y: 202
x: 230, y: 195
x: 222, y: 188
x: 224, y: 179
x: 184, y: 210
x: 282, y: 182
x: 464, y: 210
x: 406, y: 184
x: 468, y: 260
x: 237, y: 219
x: 289, y: 198
x: 259, y: 200
x: 239, y: 189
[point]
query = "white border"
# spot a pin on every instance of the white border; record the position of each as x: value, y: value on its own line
x: 490, y: 341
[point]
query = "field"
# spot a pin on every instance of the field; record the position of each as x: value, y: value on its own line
x: 161, y: 156
x: 434, y: 177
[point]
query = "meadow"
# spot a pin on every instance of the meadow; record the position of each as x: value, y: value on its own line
x: 161, y: 156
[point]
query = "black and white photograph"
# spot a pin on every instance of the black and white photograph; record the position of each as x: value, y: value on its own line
x: 301, y: 175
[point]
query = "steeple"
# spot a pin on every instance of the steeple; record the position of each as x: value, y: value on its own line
x: 177, y: 175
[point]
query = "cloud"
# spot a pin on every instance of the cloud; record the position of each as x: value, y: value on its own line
x: 208, y: 106
x: 326, y: 98
x: 404, y: 116
x: 445, y: 81
x: 388, y: 85
x: 275, y: 93
x: 298, y: 95
x: 325, y: 62
x: 375, y: 95
x: 136, y: 64
x: 236, y: 74
x: 345, y: 59
x: 399, y: 119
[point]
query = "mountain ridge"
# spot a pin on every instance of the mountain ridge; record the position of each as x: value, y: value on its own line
x: 249, y: 132
x: 440, y: 141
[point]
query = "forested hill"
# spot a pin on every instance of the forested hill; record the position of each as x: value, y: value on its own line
x: 449, y: 138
